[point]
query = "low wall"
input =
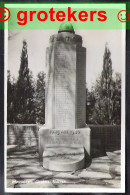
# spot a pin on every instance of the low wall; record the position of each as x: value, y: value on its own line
x: 103, y: 137
x: 22, y: 134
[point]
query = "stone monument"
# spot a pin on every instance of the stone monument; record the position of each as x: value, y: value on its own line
x: 64, y: 140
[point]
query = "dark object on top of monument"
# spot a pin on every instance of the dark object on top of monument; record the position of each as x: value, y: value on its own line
x: 66, y: 27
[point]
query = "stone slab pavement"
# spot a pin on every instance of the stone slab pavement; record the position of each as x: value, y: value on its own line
x: 25, y: 171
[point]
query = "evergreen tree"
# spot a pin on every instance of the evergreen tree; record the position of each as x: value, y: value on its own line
x: 117, y: 99
x: 103, y: 92
x: 106, y: 94
x: 40, y: 98
x: 90, y: 105
x: 10, y: 98
x: 106, y: 86
x: 24, y: 107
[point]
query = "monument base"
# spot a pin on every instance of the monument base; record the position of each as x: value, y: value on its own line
x: 72, y: 145
x: 63, y: 158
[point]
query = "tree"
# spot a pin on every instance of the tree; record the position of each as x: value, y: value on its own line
x: 106, y: 94
x: 117, y: 99
x: 106, y: 86
x: 90, y: 105
x: 24, y: 100
x: 40, y: 98
x: 10, y: 98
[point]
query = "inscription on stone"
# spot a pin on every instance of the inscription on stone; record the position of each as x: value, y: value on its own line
x: 81, y: 95
x: 63, y: 140
x: 64, y: 87
x: 64, y: 132
x: 64, y: 137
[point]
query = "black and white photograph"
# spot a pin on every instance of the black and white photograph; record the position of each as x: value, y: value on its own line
x: 65, y: 110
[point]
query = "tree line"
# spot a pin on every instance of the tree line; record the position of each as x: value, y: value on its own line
x: 26, y: 96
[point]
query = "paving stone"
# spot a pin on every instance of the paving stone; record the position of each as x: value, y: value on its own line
x: 115, y: 170
x: 118, y: 152
x: 24, y: 157
x: 36, y: 184
x: 81, y: 186
x: 23, y: 161
x: 66, y: 178
x: 104, y: 159
x: 24, y: 153
x: 85, y: 183
x: 94, y: 174
x: 114, y: 156
x: 11, y: 165
x: 33, y: 172
x: 9, y: 183
x: 11, y: 174
x: 11, y: 148
x: 100, y: 166
x: 115, y: 183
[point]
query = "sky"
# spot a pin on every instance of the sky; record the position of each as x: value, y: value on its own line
x: 38, y: 41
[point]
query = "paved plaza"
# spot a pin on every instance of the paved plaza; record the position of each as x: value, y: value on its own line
x: 25, y: 171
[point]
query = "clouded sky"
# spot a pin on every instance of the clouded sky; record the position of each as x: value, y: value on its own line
x: 38, y: 40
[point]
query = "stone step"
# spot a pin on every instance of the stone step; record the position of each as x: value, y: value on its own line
x: 63, y: 158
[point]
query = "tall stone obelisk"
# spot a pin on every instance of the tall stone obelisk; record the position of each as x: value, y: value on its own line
x: 65, y: 135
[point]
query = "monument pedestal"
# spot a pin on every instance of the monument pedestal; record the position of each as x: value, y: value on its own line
x: 64, y: 150
x: 64, y: 158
